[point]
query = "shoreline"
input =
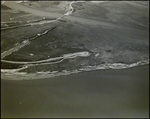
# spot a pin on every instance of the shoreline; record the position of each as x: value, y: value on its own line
x: 86, y: 67
x: 100, y: 93
x: 54, y: 74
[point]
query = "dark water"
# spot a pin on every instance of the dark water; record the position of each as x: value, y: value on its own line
x: 102, y: 93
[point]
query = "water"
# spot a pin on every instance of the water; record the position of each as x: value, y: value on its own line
x: 102, y: 50
x: 100, y: 93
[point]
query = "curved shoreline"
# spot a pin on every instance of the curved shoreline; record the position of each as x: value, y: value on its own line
x: 101, y: 93
x: 13, y: 74
x: 65, y: 56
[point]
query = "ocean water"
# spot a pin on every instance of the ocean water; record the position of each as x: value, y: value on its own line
x: 93, y: 61
x: 100, y: 93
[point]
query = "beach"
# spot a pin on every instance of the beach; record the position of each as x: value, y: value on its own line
x: 101, y: 93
